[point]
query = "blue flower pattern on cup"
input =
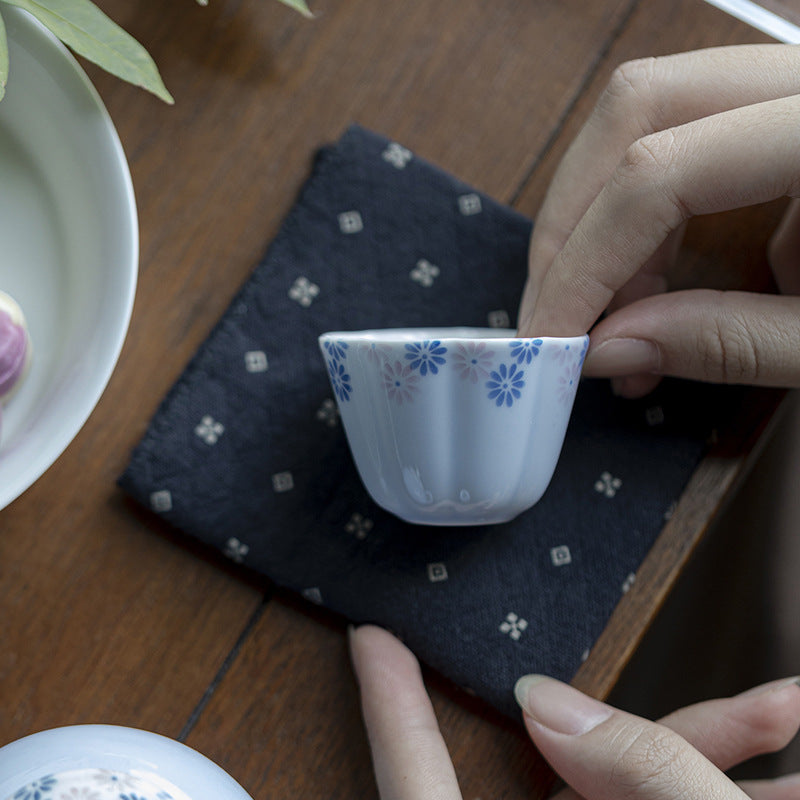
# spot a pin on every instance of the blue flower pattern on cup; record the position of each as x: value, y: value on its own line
x: 36, y: 790
x: 524, y: 350
x: 426, y: 356
x: 340, y: 380
x: 337, y: 350
x: 505, y: 385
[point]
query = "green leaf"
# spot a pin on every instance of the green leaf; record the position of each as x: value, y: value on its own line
x: 3, y: 58
x: 299, y: 5
x: 82, y: 26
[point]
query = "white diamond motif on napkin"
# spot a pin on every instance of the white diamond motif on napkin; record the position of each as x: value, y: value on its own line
x: 469, y: 204
x: 161, y: 500
x: 498, y: 319
x: 256, y: 361
x: 313, y: 594
x: 282, y: 482
x: 350, y: 222
x: 437, y: 572
x: 560, y: 555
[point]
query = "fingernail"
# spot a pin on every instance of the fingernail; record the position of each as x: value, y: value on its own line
x: 558, y: 706
x: 772, y: 686
x: 617, y: 357
x: 788, y: 780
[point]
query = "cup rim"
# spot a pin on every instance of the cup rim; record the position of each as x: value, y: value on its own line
x: 440, y: 333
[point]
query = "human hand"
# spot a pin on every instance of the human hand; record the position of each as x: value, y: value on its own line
x: 671, y: 138
x: 601, y: 753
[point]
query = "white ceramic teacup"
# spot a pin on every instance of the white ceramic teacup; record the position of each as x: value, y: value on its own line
x: 454, y: 426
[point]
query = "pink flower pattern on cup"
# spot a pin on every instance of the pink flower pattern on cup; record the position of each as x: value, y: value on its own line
x: 401, y: 382
x: 569, y: 377
x: 473, y: 361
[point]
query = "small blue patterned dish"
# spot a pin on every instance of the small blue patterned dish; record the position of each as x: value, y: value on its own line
x: 454, y: 426
x: 108, y: 762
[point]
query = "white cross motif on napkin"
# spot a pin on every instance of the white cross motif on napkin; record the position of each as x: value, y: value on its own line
x: 304, y: 292
x: 397, y: 155
x: 328, y: 413
x: 607, y: 484
x: 359, y: 526
x: 236, y: 550
x: 209, y: 430
x: 513, y: 625
x: 425, y: 273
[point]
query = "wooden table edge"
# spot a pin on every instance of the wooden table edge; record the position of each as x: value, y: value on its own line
x: 712, y: 484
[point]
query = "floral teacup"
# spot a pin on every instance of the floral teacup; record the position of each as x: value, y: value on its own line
x: 454, y: 426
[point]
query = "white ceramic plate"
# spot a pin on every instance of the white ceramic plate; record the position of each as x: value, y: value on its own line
x: 68, y: 246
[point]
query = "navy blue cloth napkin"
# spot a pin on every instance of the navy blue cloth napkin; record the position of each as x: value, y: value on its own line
x: 247, y: 452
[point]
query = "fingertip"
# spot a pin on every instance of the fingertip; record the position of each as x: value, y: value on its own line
x: 380, y: 658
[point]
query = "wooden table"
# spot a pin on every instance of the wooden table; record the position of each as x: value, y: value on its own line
x: 109, y: 616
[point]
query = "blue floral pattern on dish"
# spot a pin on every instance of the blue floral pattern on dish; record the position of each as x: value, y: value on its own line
x: 524, y: 350
x: 96, y: 784
x: 340, y: 380
x: 426, y: 356
x: 505, y: 385
x: 36, y: 790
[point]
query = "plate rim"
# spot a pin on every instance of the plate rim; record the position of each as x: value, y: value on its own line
x: 47, y: 46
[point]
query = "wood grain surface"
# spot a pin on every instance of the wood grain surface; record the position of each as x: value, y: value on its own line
x: 107, y: 615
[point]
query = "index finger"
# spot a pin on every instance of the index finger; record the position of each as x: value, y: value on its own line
x: 729, y: 160
x: 645, y: 96
x: 409, y: 756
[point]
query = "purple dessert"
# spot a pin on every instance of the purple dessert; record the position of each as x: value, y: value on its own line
x: 15, y: 348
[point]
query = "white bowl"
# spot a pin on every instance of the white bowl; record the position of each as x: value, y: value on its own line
x: 106, y: 762
x: 454, y: 426
x: 69, y: 238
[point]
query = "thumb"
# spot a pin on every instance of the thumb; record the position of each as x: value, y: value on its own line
x: 605, y: 754
x: 721, y: 337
